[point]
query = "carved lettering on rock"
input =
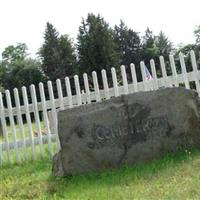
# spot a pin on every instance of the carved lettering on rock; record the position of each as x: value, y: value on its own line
x: 107, y: 134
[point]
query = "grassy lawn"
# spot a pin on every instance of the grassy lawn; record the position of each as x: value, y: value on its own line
x: 173, y: 177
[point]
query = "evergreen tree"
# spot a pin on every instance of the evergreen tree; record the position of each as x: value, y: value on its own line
x: 197, y: 45
x: 67, y: 57
x: 149, y: 46
x: 129, y: 44
x: 57, y: 54
x: 149, y: 49
x: 163, y: 44
x: 96, y: 45
x: 197, y: 34
x: 164, y: 47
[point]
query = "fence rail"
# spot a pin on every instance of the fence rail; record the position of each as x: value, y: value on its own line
x: 36, y: 135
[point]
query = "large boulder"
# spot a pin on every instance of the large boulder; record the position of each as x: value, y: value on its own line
x: 126, y: 130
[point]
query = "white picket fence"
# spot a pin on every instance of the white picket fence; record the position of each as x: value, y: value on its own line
x: 21, y: 141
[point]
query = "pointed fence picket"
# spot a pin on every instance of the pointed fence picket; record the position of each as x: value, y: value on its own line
x: 28, y: 119
x: 164, y: 72
x: 37, y: 119
x: 174, y: 72
x: 96, y: 86
x: 15, y: 118
x: 69, y: 92
x: 12, y: 123
x: 78, y: 90
x: 134, y: 78
x: 144, y: 78
x: 154, y: 75
x: 60, y: 93
x: 105, y: 84
x: 53, y: 112
x: 20, y: 122
x: 45, y: 117
x: 4, y: 129
x: 195, y: 71
x: 115, y: 84
x: 124, y: 79
x: 87, y: 89
x: 184, y: 71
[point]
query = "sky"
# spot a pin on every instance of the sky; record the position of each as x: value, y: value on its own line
x: 25, y: 20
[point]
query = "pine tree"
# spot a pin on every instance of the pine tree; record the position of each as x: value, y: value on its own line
x: 164, y: 49
x: 197, y: 35
x: 149, y: 47
x: 197, y: 45
x: 163, y: 44
x: 96, y: 45
x: 129, y: 44
x: 57, y: 54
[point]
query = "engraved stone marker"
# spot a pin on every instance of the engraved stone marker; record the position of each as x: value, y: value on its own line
x: 126, y: 130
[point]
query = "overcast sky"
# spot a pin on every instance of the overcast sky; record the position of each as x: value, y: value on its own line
x: 24, y: 20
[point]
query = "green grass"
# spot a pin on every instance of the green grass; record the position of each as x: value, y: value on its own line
x: 176, y: 176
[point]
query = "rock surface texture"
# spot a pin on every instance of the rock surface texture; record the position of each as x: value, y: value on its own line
x: 126, y: 130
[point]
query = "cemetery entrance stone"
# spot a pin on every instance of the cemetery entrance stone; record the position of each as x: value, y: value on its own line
x: 126, y: 130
